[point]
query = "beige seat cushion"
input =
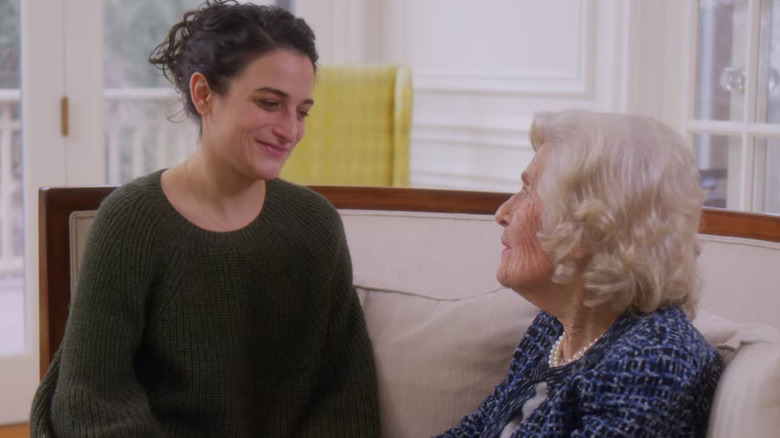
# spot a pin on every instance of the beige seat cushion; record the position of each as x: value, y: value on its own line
x: 747, y: 400
x: 438, y: 359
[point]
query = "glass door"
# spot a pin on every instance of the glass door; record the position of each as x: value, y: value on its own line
x: 14, y: 351
x: 766, y: 190
x: 736, y: 113
x: 11, y: 215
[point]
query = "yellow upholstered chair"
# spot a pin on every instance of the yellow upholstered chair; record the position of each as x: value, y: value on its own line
x: 358, y: 131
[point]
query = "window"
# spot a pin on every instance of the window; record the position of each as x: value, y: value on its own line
x: 736, y: 111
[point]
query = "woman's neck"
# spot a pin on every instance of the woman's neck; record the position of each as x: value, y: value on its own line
x: 212, y: 194
x: 583, y: 326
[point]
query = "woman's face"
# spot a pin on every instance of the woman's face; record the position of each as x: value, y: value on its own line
x: 257, y: 122
x: 524, y: 266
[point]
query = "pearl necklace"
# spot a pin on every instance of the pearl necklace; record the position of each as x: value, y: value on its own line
x: 556, y: 359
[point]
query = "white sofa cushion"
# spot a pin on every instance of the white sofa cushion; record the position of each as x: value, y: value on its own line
x: 437, y: 359
x: 747, y: 400
x: 740, y: 282
x: 729, y: 337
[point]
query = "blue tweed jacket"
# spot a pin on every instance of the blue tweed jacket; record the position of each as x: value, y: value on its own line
x: 649, y: 375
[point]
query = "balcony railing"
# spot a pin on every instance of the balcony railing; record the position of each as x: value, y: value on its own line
x: 11, y: 235
x: 145, y: 130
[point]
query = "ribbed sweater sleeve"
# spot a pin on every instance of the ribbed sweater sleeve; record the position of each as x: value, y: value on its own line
x: 97, y: 393
x: 344, y: 401
x: 346, y: 397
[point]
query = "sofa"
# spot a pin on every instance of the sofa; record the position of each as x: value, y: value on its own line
x: 443, y: 330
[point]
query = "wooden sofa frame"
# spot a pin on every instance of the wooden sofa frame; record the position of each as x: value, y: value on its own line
x: 57, y: 203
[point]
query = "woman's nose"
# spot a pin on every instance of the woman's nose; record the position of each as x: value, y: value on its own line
x: 503, y: 214
x: 287, y: 127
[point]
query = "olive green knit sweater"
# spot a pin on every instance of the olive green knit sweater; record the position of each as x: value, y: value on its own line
x: 181, y: 332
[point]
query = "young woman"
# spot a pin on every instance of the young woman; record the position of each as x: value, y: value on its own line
x: 215, y: 299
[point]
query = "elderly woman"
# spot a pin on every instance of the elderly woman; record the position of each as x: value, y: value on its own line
x: 602, y: 238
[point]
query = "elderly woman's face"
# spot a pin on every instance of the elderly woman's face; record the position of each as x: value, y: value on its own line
x: 523, y: 263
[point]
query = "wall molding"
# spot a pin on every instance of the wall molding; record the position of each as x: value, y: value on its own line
x: 515, y: 125
x: 471, y: 141
x: 509, y: 133
x: 577, y: 84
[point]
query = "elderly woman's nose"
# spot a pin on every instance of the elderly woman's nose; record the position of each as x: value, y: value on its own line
x: 503, y: 214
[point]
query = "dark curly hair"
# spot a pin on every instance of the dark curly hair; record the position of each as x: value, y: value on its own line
x: 221, y: 37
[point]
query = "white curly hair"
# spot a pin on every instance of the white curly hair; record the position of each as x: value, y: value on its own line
x: 621, y: 206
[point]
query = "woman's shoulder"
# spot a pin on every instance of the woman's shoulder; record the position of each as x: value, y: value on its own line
x: 132, y: 202
x: 291, y: 190
x: 665, y: 338
x: 669, y: 326
x: 654, y: 373
x: 131, y: 193
x: 301, y: 201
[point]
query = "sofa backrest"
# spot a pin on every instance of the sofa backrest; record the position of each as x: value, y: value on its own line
x: 741, y: 278
x: 454, y: 256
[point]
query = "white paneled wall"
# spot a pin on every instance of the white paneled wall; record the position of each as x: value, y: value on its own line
x: 482, y: 68
x: 494, y: 46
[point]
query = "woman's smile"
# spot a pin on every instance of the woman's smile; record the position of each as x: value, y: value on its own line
x: 274, y: 150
